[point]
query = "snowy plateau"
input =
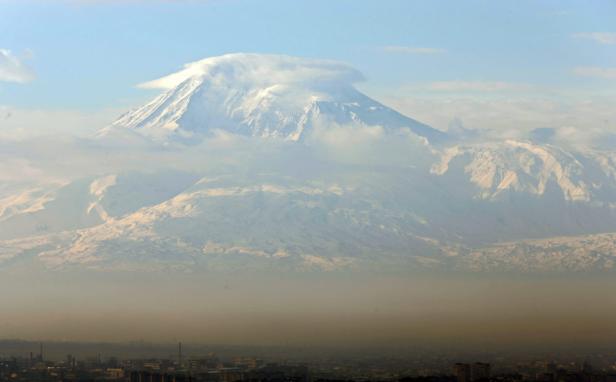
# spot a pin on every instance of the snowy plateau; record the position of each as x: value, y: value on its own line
x: 271, y: 162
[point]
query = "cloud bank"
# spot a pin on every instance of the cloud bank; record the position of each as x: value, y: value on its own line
x: 477, y: 86
x: 579, y: 121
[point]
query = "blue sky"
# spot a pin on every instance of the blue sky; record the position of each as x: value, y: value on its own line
x: 89, y: 55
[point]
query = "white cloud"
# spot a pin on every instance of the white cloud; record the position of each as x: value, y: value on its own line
x: 604, y: 38
x: 593, y: 71
x: 12, y: 69
x: 18, y: 124
x: 239, y: 69
x: 412, y: 50
x: 514, y: 117
x: 477, y: 86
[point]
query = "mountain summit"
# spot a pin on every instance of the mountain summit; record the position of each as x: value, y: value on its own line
x: 264, y: 96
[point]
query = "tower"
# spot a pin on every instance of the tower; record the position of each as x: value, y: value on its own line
x: 180, y: 354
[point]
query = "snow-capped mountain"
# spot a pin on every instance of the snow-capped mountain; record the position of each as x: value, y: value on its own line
x: 394, y: 193
x: 526, y: 167
x: 262, y: 96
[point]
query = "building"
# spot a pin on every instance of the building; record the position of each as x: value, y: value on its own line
x: 462, y: 372
x: 480, y: 372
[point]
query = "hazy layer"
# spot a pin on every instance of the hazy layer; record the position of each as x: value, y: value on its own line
x: 309, y: 309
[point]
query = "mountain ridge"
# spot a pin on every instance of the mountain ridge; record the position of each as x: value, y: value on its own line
x: 312, y: 174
